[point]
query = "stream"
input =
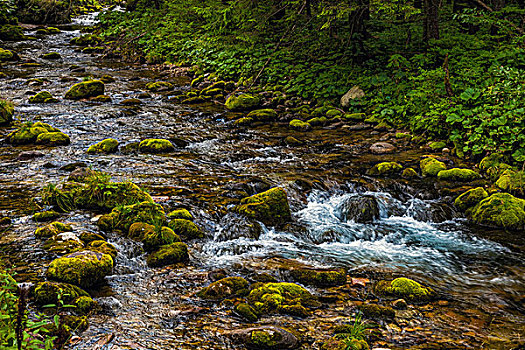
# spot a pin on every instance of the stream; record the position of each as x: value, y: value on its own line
x: 479, y: 272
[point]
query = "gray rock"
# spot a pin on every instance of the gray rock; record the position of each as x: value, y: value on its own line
x: 354, y: 93
x: 382, y: 148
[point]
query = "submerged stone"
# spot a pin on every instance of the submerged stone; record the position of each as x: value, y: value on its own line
x: 225, y: 288
x: 364, y: 208
x: 51, y: 56
x: 270, y: 207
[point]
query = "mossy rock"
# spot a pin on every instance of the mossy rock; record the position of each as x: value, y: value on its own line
x: 512, y: 181
x: 52, y: 56
x: 501, y: 210
x: 437, y: 145
x: 45, y: 293
x: 376, y: 311
x: 431, y: 166
x: 53, y: 139
x: 263, y: 115
x: 85, y: 269
x: 225, y: 288
x: 285, y: 298
x: 106, y: 79
x: 211, y: 92
x: 319, y: 277
x: 168, y: 254
x: 404, y: 288
x: 270, y: 338
x: 361, y: 208
x: 158, y: 237
x: 409, y: 173
x: 299, y: 125
x: 84, y: 305
x: 339, y: 343
x: 121, y: 218
x: 139, y: 230
x: 53, y: 229
x: 85, y: 89
x: 47, y: 215
x: 29, y: 132
x: 11, y: 32
x: 156, y: 146
x: 491, y: 161
x: 456, y: 174
x: 63, y: 243
x: 6, y: 112
x: 270, y: 207
x: 105, y: 146
x: 385, y: 168
x: 246, y: 311
x: 193, y: 100
x: 317, y: 121
x: 42, y: 97
x: 470, y: 198
x: 159, y: 86
x: 88, y: 237
x: 103, y: 247
x: 6, y: 55
x: 186, y: 228
x: 180, y: 214
x: 242, y: 102
x: 53, y: 30
x: 86, y: 40
x: 243, y: 121
x: 101, y: 98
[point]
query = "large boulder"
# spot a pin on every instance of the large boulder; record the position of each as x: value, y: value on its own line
x: 156, y: 146
x: 270, y: 207
x: 121, y: 218
x: 29, y: 132
x: 186, y: 228
x: 362, y: 208
x: 85, y: 89
x: 85, y: 268
x: 500, y: 210
x: 242, y: 102
x: 470, y: 198
x: 168, y: 254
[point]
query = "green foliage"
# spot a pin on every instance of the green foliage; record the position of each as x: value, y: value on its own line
x: 355, y: 332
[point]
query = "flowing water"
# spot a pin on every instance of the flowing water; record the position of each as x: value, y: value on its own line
x: 417, y: 234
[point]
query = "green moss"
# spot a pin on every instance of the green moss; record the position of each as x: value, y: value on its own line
x: 211, y: 92
x: 409, y: 173
x: 456, y: 174
x: 377, y: 311
x: 121, y: 218
x: 11, y: 32
x: 5, y: 55
x: 246, y: 311
x: 299, y: 125
x: 224, y: 288
x: 470, y: 198
x: 46, y: 293
x: 270, y: 207
x: 491, y: 161
x: 40, y: 97
x: 51, y: 56
x: 186, y: 228
x: 197, y: 81
x: 437, y: 145
x: 243, y: 121
x: 385, y: 168
x: 106, y: 79
x: 139, y: 230
x: 45, y: 215
x: 29, y: 132
x: 331, y: 113
x: 156, y: 146
x: 180, y: 214
x: 159, y: 237
x: 52, y: 229
x: 86, y: 40
x: 53, y: 139
x: 84, y: 305
x: 6, y: 112
x: 85, y: 89
x: 104, y: 146
x: 85, y: 269
x: 88, y: 237
x: 159, y: 86
x: 501, y: 210
x: 169, y: 254
x: 282, y: 298
x: 75, y: 323
x: 242, y: 102
x: 319, y: 278
x: 262, y: 115
x: 512, y: 181
x: 52, y: 30
x: 431, y: 166
x: 193, y: 100
x: 103, y: 247
x: 404, y: 288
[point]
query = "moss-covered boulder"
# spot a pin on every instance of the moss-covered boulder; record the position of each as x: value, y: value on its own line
x: 101, y: 99
x: 491, y: 161
x: 437, y: 145
x: 284, y: 298
x: 53, y: 229
x: 168, y: 254
x: 85, y: 269
x: 225, y: 288
x: 186, y: 228
x: 6, y: 112
x: 242, y: 102
x: 84, y: 305
x: 53, y: 139
x: 243, y: 121
x: 121, y: 218
x: 299, y: 125
x: 47, y: 215
x: 262, y: 115
x: 6, y: 55
x: 158, y: 237
x: 266, y: 338
x: 500, y: 210
x: 139, y: 230
x: 104, y: 146
x: 246, y: 311
x: 319, y: 277
x: 409, y: 173
x: 28, y: 133
x: 512, y: 181
x: 85, y: 89
x: 45, y: 293
x: 88, y: 237
x: 86, y: 40
x: 158, y: 86
x: 103, y: 247
x: 43, y: 97
x: 156, y: 146
x: 385, y: 168
x: 376, y: 311
x: 180, y: 214
x: 270, y: 207
x: 470, y: 198
x: 404, y: 288
x: 457, y: 174
x: 431, y: 166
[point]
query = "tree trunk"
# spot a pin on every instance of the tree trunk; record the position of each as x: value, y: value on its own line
x: 431, y: 20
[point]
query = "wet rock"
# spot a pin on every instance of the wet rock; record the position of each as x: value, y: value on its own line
x: 246, y: 311
x: 224, y: 288
x: 85, y: 89
x: 52, y: 56
x: 139, y: 230
x: 431, y: 166
x: 382, y: 148
x: 26, y: 155
x: 168, y: 254
x: 53, y: 139
x: 500, y: 210
x: 159, y: 86
x: 6, y: 112
x: 156, y: 146
x: 85, y: 269
x: 53, y: 229
x: 292, y: 141
x: 270, y: 207
x: 153, y: 239
x: 338, y: 343
x: 47, y: 215
x: 404, y: 288
x: 299, y: 125
x: 265, y: 338
x: 437, y: 145
x: 354, y: 93
x: 101, y: 98
x: 409, y: 173
x: 186, y: 228
x: 233, y: 226
x: 376, y: 311
x: 81, y: 173
x: 318, y: 277
x: 29, y: 132
x: 217, y: 274
x: 456, y: 174
x: 88, y: 237
x: 11, y: 32
x: 385, y: 168
x: 470, y: 198
x: 363, y: 208
x: 511, y: 181
x: 180, y: 214
x: 262, y: 115
x: 399, y: 304
x: 43, y: 97
x: 434, y: 212
x: 122, y: 217
x: 4, y: 221
x: 105, y: 146
x: 107, y: 79
x: 242, y: 102
x: 101, y: 246
x: 45, y: 293
x: 86, y: 40
x: 131, y: 102
x: 6, y: 55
